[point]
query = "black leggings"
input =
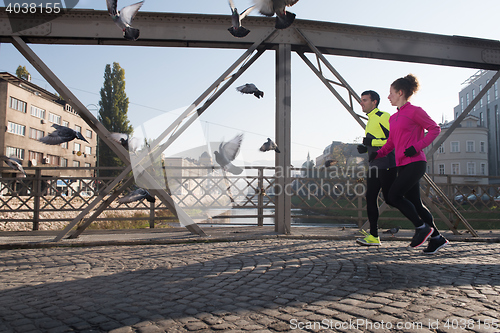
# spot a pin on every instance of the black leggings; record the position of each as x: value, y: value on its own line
x: 377, y: 179
x: 405, y: 195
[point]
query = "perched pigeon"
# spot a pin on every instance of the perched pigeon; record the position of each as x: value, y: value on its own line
x: 392, y: 231
x: 137, y: 195
x: 123, y: 19
x: 237, y: 30
x: 129, y: 143
x: 269, y: 145
x: 227, y: 153
x: 14, y: 163
x: 329, y: 163
x: 250, y: 88
x: 60, y: 135
x: 284, y: 19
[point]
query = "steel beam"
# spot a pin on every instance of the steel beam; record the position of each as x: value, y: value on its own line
x: 283, y: 138
x: 91, y: 27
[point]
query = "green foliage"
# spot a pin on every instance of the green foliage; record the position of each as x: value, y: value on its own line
x: 22, y: 72
x: 113, y: 108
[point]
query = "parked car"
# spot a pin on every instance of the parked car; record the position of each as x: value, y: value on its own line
x: 473, y: 198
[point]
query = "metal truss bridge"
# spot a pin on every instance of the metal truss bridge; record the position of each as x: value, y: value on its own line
x: 90, y: 27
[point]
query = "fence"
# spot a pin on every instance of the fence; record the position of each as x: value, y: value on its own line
x: 209, y: 196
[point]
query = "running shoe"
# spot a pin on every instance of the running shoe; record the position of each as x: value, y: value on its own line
x: 421, y: 235
x: 435, y: 244
x: 369, y: 239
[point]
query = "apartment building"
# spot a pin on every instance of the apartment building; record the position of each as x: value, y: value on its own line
x: 27, y: 113
x: 487, y: 111
x: 464, y: 153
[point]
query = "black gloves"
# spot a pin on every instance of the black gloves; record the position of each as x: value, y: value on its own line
x: 372, y: 156
x: 367, y: 141
x: 362, y: 149
x: 409, y: 152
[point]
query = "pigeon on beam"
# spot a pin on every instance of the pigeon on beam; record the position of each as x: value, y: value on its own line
x: 284, y: 19
x: 123, y: 19
x: 237, y: 30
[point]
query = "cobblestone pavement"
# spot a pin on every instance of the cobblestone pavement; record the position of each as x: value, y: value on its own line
x: 264, y: 285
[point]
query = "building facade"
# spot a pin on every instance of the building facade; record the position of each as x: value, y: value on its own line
x: 487, y: 111
x: 27, y: 113
x: 464, y: 153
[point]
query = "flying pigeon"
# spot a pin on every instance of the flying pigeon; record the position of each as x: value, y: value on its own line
x: 60, y: 135
x: 227, y: 153
x: 123, y: 19
x: 284, y: 19
x: 392, y: 231
x: 250, y: 88
x: 14, y: 163
x: 269, y: 145
x: 129, y: 143
x: 137, y: 195
x: 329, y: 163
x: 237, y: 30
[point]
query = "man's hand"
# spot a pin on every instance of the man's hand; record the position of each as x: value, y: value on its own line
x: 362, y: 149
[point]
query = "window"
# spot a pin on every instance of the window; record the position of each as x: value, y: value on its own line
x: 36, y: 134
x: 64, y: 145
x: 474, y: 96
x: 37, y: 112
x: 455, y: 147
x: 481, y: 119
x: 17, y: 152
x: 16, y: 129
x: 495, y: 90
x: 441, y: 149
x: 471, y: 168
x: 481, y: 100
x: 441, y: 169
x: 54, y: 160
x: 78, y: 128
x: 488, y: 97
x: 88, y: 165
x: 455, y: 168
x: 65, y: 123
x: 88, y: 150
x: 482, y: 147
x: 88, y: 134
x: 470, y: 146
x: 462, y: 103
x: 77, y: 147
x: 54, y: 118
x: 64, y: 162
x: 17, y: 104
x: 483, y: 169
x: 34, y: 155
x: 76, y: 164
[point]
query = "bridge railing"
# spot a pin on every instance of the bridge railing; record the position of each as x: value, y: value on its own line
x: 213, y: 197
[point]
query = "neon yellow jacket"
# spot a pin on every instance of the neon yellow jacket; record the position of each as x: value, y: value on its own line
x: 377, y: 129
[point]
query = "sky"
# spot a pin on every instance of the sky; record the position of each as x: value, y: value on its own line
x: 160, y: 82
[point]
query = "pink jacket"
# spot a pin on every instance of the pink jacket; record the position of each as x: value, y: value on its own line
x: 407, y: 129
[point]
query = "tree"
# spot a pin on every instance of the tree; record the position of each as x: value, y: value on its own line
x: 113, y: 108
x: 22, y: 73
